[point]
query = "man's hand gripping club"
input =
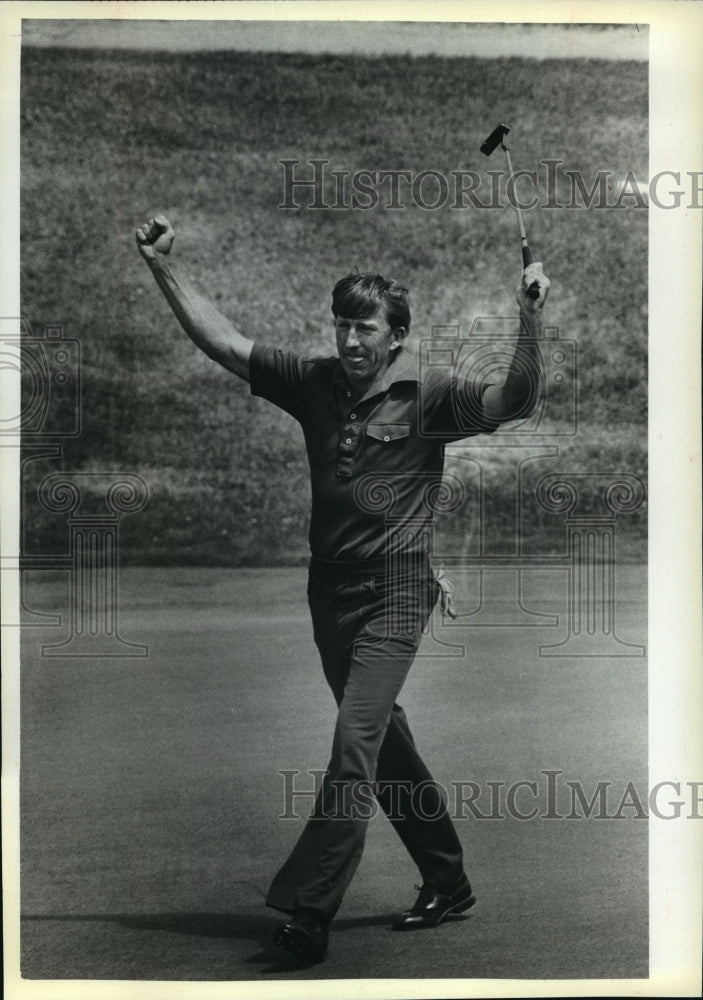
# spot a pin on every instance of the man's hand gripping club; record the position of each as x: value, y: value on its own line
x: 532, y: 275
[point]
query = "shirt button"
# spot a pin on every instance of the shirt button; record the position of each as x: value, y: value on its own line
x: 386, y: 438
x: 352, y: 416
x: 348, y: 440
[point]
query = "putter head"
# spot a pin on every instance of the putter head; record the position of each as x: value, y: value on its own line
x: 494, y: 139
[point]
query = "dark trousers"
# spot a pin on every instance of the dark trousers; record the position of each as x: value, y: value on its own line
x: 367, y: 628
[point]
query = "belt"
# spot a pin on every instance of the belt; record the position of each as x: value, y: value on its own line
x: 345, y: 568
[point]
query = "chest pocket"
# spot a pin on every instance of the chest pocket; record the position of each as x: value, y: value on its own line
x: 388, y: 432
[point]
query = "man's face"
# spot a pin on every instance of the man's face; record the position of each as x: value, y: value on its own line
x: 366, y: 346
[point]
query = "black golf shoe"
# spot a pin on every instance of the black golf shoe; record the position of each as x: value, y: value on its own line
x: 433, y: 905
x: 304, y: 937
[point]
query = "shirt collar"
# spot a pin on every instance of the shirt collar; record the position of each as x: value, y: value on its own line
x: 404, y: 368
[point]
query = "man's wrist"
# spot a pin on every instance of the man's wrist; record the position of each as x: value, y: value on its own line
x: 531, y: 318
x: 158, y: 262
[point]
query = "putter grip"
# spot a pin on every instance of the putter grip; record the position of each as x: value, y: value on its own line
x: 533, y: 290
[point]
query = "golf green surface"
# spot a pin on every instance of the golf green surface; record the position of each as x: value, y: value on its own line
x: 151, y: 790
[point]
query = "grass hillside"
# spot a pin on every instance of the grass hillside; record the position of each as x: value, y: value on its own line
x: 109, y: 139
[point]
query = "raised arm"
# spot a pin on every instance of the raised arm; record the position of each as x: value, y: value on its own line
x: 518, y: 395
x: 207, y: 328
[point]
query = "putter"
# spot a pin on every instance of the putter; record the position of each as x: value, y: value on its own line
x: 495, y: 139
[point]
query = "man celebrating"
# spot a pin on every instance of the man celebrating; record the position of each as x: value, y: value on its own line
x: 375, y: 434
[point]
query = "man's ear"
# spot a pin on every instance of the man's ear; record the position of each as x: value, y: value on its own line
x: 399, y: 335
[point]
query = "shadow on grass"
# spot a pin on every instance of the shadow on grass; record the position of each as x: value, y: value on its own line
x: 234, y: 926
x: 242, y: 926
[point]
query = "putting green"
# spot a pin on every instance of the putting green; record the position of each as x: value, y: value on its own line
x: 151, y: 791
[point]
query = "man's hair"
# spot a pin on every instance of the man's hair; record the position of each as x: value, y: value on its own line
x: 358, y: 296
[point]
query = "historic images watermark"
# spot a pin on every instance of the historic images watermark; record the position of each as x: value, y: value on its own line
x: 546, y: 796
x: 47, y: 367
x: 314, y: 184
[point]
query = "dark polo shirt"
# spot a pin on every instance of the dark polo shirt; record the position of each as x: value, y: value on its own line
x: 375, y: 463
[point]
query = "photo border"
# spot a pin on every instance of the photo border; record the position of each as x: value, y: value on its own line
x: 675, y: 684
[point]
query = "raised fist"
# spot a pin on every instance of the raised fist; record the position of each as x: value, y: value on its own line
x: 155, y: 237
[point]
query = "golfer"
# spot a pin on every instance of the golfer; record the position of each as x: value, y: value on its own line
x: 375, y: 435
